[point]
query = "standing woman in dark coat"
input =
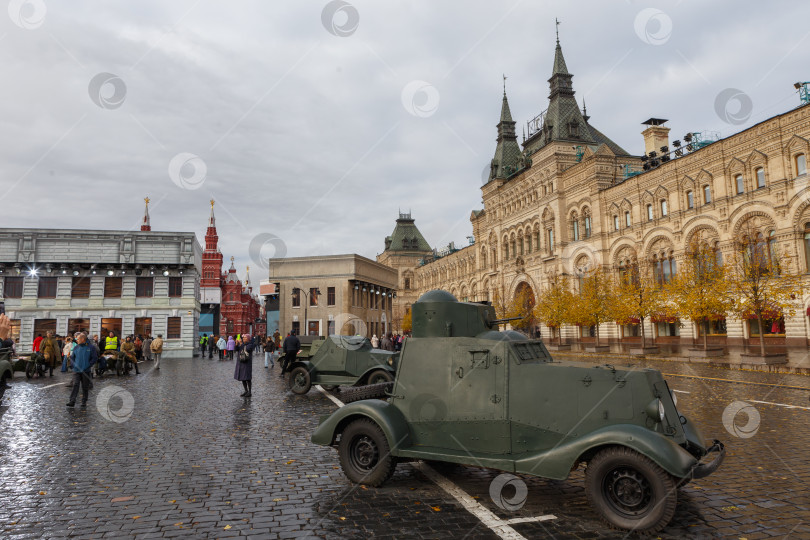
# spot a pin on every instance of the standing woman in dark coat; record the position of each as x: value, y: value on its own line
x: 244, y: 370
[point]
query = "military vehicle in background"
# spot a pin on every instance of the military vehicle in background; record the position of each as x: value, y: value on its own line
x: 341, y: 360
x: 467, y: 393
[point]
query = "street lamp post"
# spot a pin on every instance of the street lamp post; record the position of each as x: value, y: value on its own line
x: 297, y: 290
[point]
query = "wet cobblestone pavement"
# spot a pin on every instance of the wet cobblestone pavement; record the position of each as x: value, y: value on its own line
x: 196, y: 460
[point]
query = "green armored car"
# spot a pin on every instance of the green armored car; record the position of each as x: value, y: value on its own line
x: 341, y: 360
x: 467, y: 393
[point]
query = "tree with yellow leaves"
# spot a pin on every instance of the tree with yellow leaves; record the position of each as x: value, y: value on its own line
x: 594, y: 302
x: 407, y: 321
x: 760, y: 280
x: 637, y: 296
x: 699, y: 291
x: 554, y: 305
x: 522, y: 305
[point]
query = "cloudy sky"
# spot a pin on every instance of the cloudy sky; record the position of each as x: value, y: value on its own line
x: 314, y: 122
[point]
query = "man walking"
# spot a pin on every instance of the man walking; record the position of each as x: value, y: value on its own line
x: 83, y: 357
x: 157, y: 349
x: 50, y: 350
x: 269, y: 351
x: 291, y: 346
x: 147, y: 351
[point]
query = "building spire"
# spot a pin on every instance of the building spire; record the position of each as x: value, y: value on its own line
x: 211, y: 220
x: 146, y: 226
x: 557, y: 29
x: 507, y: 151
x: 232, y: 268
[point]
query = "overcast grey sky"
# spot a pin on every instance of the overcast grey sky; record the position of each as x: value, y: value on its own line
x: 315, y: 121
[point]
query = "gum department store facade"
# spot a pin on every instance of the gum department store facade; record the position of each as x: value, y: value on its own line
x: 571, y: 199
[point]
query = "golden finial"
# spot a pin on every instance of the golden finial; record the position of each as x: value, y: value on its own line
x: 212, y: 203
x: 247, y: 269
x: 231, y: 258
x: 146, y: 200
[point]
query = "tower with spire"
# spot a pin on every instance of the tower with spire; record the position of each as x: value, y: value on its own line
x: 507, y: 151
x: 145, y: 225
x: 211, y: 257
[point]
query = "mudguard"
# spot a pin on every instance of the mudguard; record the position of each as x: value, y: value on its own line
x: 384, y: 367
x: 557, y: 462
x: 388, y: 417
x: 307, y: 364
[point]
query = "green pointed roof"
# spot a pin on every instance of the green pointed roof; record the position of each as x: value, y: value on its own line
x: 559, y: 61
x: 406, y: 237
x: 507, y: 150
x: 563, y: 120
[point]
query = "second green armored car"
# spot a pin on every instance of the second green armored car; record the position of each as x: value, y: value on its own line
x: 341, y: 360
x: 470, y: 394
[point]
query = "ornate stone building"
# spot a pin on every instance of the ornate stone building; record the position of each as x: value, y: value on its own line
x: 571, y: 199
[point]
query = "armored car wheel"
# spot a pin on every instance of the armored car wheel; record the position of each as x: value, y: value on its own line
x: 3, y: 382
x: 30, y: 369
x: 330, y: 387
x: 119, y: 368
x: 300, y: 381
x: 365, y: 454
x: 629, y: 490
x: 379, y: 376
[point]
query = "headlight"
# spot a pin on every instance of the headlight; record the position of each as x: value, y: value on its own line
x: 655, y: 410
x: 390, y: 361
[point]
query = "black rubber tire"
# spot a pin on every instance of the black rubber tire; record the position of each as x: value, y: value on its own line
x: 330, y: 387
x: 370, y: 391
x: 365, y: 454
x: 649, y: 492
x: 30, y: 370
x: 119, y: 368
x: 299, y: 380
x: 3, y: 381
x: 380, y: 376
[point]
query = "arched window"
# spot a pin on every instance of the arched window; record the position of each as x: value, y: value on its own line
x: 649, y: 212
x: 773, y: 257
x: 550, y: 233
x: 627, y: 221
x: 521, y: 244
x: 663, y: 207
x: 690, y: 199
x: 718, y: 255
x: 760, y: 177
x: 738, y: 180
x: 528, y: 243
x: 513, y: 248
x: 587, y: 225
x: 537, y: 239
x: 574, y: 227
x: 801, y: 164
x: 707, y: 194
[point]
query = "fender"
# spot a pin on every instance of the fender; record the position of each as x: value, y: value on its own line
x: 305, y: 363
x: 557, y: 462
x: 388, y: 417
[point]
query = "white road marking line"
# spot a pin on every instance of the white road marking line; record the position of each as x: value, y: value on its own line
x: 530, y: 519
x: 335, y: 400
x: 52, y: 385
x: 780, y: 405
x: 494, y: 523
x: 682, y: 391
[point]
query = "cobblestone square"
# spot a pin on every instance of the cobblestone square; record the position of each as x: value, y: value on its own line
x: 176, y: 452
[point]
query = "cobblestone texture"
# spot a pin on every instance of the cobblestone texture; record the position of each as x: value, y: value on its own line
x: 196, y: 460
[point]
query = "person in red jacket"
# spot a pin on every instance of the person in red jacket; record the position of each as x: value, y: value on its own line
x: 37, y: 342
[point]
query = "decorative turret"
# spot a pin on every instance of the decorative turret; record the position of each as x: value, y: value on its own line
x: 507, y: 150
x: 406, y: 237
x: 145, y: 225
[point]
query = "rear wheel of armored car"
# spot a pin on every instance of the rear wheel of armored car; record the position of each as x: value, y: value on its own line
x: 629, y: 490
x: 3, y: 382
x: 379, y: 376
x: 30, y: 369
x: 365, y: 454
x: 300, y: 381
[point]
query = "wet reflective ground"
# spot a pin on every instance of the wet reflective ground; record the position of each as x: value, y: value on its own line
x: 178, y: 453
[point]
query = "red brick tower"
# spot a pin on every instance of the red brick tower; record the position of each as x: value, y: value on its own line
x: 211, y: 257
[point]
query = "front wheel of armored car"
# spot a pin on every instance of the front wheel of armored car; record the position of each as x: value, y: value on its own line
x: 365, y: 454
x: 300, y: 381
x: 379, y: 376
x: 629, y: 490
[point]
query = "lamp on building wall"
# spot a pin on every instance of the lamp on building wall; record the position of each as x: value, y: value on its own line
x: 165, y: 271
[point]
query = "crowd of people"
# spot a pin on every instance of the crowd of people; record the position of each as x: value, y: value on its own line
x: 80, y: 352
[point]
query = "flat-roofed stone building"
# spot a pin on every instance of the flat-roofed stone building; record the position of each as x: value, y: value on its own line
x: 333, y: 294
x: 129, y: 282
